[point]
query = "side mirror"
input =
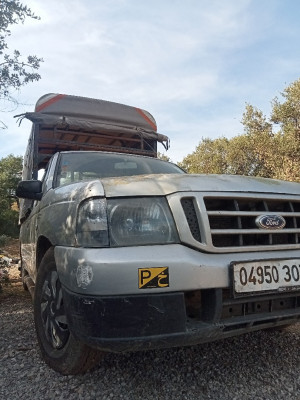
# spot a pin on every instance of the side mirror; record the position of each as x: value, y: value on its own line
x: 29, y: 190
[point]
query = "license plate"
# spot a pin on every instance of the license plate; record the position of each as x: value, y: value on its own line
x: 267, y: 275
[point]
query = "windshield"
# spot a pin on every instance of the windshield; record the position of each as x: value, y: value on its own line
x: 82, y: 166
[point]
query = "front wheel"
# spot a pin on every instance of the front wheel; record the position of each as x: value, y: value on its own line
x: 59, y: 348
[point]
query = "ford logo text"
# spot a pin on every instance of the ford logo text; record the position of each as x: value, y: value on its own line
x: 270, y: 222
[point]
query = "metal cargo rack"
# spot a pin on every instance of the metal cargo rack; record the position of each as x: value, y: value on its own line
x: 68, y: 123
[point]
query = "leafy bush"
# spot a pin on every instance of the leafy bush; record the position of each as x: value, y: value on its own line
x: 3, y: 240
x: 4, y: 270
x: 5, y: 262
x: 9, y: 223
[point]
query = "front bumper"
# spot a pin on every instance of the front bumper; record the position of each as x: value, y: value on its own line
x: 115, y: 271
x: 142, y: 322
x: 106, y: 308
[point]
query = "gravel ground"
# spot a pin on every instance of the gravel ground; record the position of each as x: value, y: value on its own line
x: 261, y: 365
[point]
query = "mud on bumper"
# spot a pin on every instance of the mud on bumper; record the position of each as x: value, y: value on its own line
x: 141, y: 322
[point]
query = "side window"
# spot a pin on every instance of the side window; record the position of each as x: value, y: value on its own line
x: 41, y: 174
x: 49, y: 174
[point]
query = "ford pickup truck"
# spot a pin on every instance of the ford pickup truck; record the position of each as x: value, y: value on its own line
x: 123, y: 251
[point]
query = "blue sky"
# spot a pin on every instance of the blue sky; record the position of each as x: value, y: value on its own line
x: 193, y: 64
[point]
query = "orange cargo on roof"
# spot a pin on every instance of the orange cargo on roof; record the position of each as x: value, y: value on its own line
x: 63, y: 122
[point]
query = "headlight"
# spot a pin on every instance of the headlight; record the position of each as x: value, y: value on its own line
x: 92, y: 224
x: 140, y: 221
x: 126, y: 222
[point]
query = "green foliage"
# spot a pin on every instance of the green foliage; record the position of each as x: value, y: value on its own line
x: 15, y: 71
x: 287, y: 114
x: 9, y: 223
x: 3, y: 240
x: 208, y: 158
x: 162, y: 156
x: 260, y: 151
x: 10, y: 175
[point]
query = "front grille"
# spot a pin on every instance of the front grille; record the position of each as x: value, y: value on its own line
x: 232, y: 222
x: 218, y: 306
x: 260, y: 305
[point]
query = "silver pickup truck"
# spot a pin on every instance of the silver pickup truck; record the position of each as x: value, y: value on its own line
x: 123, y: 251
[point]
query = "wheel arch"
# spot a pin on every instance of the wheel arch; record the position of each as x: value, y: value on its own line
x: 43, y: 245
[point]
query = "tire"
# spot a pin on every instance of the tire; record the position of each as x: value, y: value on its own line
x: 59, y: 348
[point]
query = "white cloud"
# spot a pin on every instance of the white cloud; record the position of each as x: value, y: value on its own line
x: 187, y: 62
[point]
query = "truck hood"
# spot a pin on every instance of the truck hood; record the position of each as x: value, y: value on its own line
x: 165, y: 184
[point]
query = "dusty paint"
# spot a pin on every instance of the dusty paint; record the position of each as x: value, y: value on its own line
x: 165, y: 184
x: 84, y: 275
x: 88, y: 302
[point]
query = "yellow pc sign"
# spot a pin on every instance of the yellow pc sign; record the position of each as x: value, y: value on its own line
x: 150, y: 278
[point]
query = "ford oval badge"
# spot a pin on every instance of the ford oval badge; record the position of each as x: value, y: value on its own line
x: 270, y: 222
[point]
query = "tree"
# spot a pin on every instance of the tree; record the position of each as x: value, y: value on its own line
x: 261, y: 143
x: 235, y: 156
x: 286, y: 114
x: 162, y: 156
x: 208, y: 158
x: 15, y: 71
x: 10, y: 175
x: 261, y: 150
